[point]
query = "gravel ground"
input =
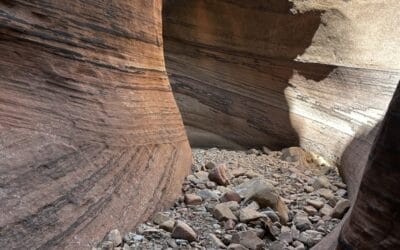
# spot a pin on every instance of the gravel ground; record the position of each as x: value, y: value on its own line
x: 255, y: 199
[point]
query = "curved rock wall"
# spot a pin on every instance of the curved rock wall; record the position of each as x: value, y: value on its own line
x: 90, y: 136
x: 319, y: 74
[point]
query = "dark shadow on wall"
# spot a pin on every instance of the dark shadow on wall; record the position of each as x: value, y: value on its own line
x: 229, y: 64
x: 352, y: 164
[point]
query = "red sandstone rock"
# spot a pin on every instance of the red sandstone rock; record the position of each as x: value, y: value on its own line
x: 89, y: 128
x: 218, y: 175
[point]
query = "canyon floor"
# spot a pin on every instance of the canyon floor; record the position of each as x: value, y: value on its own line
x: 255, y: 199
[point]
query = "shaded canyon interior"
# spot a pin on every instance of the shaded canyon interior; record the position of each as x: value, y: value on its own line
x: 90, y: 131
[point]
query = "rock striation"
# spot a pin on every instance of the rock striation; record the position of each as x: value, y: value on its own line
x: 89, y: 129
x: 278, y: 73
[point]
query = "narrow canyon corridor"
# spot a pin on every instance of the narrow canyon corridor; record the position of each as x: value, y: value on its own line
x: 124, y: 123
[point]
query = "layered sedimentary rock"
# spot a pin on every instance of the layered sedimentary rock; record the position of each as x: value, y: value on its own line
x: 375, y: 220
x: 90, y: 136
x: 315, y: 73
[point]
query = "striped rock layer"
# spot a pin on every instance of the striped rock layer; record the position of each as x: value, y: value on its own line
x: 90, y: 135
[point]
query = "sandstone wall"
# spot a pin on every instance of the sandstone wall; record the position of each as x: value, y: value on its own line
x: 90, y: 136
x: 319, y: 74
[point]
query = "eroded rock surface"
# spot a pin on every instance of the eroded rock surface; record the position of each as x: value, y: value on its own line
x: 90, y: 135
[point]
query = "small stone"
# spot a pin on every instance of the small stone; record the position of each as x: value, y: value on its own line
x: 314, y: 218
x: 308, y: 189
x: 235, y: 246
x: 222, y: 212
x: 236, y: 172
x: 295, y: 232
x: 227, y: 238
x: 207, y: 194
x: 251, y: 174
x: 310, y: 210
x: 259, y: 190
x: 210, y: 184
x: 310, y: 237
x: 230, y: 196
x: 135, y: 237
x: 277, y: 245
x: 193, y: 199
x: 202, y: 176
x: 172, y: 243
x: 321, y: 182
x: 302, y: 222
x: 216, y: 242
x: 341, y: 208
x: 210, y: 165
x: 272, y: 215
x: 241, y: 227
x: 229, y: 224
x: 286, y: 234
x: 107, y: 245
x: 316, y: 203
x: 326, y: 193
x: 249, y: 214
x: 159, y: 218
x: 298, y: 245
x: 341, y: 192
x: 115, y: 237
x: 252, y: 151
x: 218, y: 175
x: 326, y: 210
x: 332, y: 202
x: 248, y: 239
x: 254, y: 205
x: 273, y: 230
x: 283, y: 211
x: 183, y: 231
x: 259, y: 232
x: 168, y: 225
x: 266, y: 150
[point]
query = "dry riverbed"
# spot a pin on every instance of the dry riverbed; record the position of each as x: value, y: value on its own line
x: 255, y: 199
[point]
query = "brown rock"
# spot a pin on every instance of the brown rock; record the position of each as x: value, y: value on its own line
x: 159, y: 218
x: 230, y: 196
x: 341, y: 208
x: 248, y: 214
x: 210, y: 165
x: 216, y: 242
x: 222, y: 212
x: 229, y: 224
x: 321, y: 182
x: 248, y: 239
x: 168, y: 225
x: 316, y: 203
x: 286, y: 234
x: 283, y: 211
x: 310, y: 210
x: 115, y: 237
x: 218, y: 175
x: 326, y: 193
x: 326, y: 210
x: 259, y: 190
x: 236, y: 172
x: 192, y: 199
x: 183, y: 231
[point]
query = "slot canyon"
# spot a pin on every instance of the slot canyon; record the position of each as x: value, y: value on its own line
x: 102, y: 101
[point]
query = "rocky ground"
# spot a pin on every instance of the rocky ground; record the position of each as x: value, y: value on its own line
x: 256, y: 199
